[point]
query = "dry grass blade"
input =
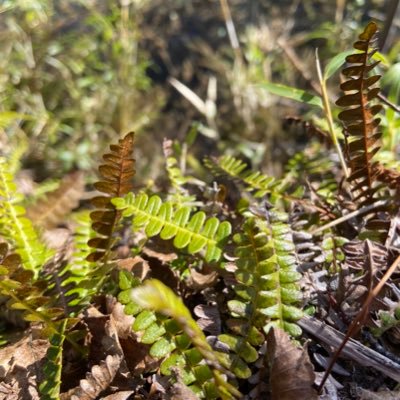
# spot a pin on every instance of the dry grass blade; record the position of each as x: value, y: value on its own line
x: 292, y: 374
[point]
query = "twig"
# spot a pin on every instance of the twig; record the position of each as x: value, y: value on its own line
x: 386, y: 101
x: 348, y: 216
x: 352, y: 350
x: 356, y: 325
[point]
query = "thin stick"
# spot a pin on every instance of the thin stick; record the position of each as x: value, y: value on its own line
x: 357, y: 323
x: 353, y: 214
x: 386, y: 101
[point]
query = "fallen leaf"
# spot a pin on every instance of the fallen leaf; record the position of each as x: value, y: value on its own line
x: 292, y: 375
x: 200, y: 281
x: 21, y: 366
x: 98, y: 380
x: 384, y: 395
x: 124, y: 395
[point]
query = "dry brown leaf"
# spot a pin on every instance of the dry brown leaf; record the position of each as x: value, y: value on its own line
x: 21, y: 366
x: 200, y: 281
x: 292, y: 374
x: 124, y: 395
x: 123, y: 323
x: 137, y: 265
x: 98, y: 380
x: 209, y: 318
x: 384, y: 395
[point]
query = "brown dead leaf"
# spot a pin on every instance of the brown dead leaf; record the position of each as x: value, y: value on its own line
x: 200, y: 281
x: 137, y: 265
x: 21, y: 366
x: 292, y: 374
x: 98, y: 380
x: 209, y: 318
x: 123, y: 323
x: 124, y: 395
x: 384, y: 395
x: 160, y: 256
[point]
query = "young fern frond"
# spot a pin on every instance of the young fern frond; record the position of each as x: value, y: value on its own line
x: 195, y: 232
x: 236, y: 169
x: 50, y: 387
x: 177, y: 339
x: 361, y: 126
x: 117, y: 173
x: 15, y: 227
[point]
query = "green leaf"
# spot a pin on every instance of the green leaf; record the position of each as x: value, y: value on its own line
x: 144, y: 320
x: 162, y: 347
x: 335, y: 63
x: 292, y: 93
x: 152, y: 333
x: 173, y: 360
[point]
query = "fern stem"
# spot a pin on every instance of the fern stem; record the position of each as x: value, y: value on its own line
x: 328, y: 115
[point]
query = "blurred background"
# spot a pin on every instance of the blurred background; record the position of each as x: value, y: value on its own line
x: 75, y: 75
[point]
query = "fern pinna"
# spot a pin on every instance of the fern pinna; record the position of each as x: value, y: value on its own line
x: 361, y: 126
x: 116, y: 173
x: 267, y: 293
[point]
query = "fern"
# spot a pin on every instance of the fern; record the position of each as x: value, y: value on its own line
x: 77, y: 276
x: 24, y: 293
x: 180, y: 195
x: 267, y: 291
x: 116, y: 172
x: 15, y: 227
x: 157, y: 218
x: 176, y: 339
x: 361, y: 126
x: 236, y: 169
x: 50, y: 387
x: 49, y: 211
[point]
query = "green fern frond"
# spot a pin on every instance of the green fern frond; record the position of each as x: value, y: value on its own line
x: 50, y: 388
x: 254, y: 181
x: 195, y: 232
x: 78, y: 275
x: 176, y: 339
x: 267, y: 292
x: 15, y: 227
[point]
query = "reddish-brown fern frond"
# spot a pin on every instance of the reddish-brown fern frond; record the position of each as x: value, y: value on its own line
x: 361, y: 126
x: 116, y: 173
